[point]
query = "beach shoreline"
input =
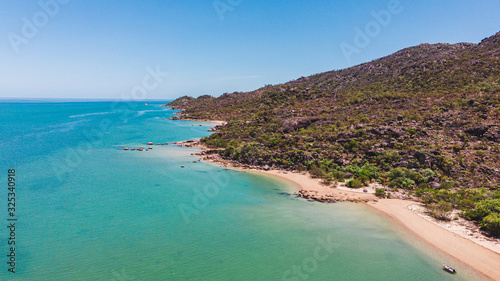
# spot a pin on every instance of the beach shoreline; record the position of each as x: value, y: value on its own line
x: 218, y: 122
x: 483, y: 258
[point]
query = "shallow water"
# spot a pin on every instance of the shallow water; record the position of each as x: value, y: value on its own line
x: 88, y: 210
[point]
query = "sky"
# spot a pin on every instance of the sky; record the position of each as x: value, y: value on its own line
x: 118, y: 49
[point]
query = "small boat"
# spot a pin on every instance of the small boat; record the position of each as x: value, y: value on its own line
x: 449, y: 269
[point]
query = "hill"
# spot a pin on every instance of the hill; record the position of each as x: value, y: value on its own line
x: 424, y: 120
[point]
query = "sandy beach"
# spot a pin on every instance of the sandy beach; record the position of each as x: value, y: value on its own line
x: 484, y: 260
x: 474, y: 251
x: 181, y: 118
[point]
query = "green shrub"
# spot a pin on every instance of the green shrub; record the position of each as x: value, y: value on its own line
x: 483, y: 209
x: 367, y: 171
x: 399, y: 172
x: 352, y: 146
x: 380, y: 192
x: 428, y: 198
x: 355, y: 183
x: 338, y: 175
x: 407, y: 184
x: 480, y: 153
x: 404, y: 178
x: 441, y: 210
x: 317, y: 172
x: 402, y: 182
x: 364, y: 179
x: 427, y: 174
x: 491, y: 224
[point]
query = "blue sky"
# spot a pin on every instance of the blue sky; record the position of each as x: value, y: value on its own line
x: 107, y: 49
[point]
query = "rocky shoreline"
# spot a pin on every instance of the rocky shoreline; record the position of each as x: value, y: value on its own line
x: 334, y: 196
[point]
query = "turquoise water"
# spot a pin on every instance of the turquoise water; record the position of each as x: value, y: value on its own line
x: 88, y: 210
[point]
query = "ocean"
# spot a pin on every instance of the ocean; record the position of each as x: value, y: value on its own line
x: 85, y: 209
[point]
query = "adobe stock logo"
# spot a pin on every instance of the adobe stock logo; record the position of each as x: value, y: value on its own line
x: 324, y: 250
x: 363, y: 37
x: 30, y: 28
x: 222, y: 7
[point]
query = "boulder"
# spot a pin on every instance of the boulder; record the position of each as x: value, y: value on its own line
x: 348, y: 175
x: 402, y: 163
x: 435, y: 185
x: 294, y: 124
x: 371, y: 153
x: 477, y: 131
x: 421, y: 157
x: 493, y: 134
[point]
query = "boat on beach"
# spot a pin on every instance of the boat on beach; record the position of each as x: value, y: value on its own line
x: 449, y: 269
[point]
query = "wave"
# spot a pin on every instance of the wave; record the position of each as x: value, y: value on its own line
x: 142, y: 112
x: 58, y: 128
x: 91, y: 114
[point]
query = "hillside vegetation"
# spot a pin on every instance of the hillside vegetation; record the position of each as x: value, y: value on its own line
x: 424, y: 119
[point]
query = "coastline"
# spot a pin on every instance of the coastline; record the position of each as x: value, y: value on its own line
x: 483, y: 258
x: 480, y: 258
x: 218, y: 122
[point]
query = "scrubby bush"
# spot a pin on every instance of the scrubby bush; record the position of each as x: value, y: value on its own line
x: 380, y: 192
x: 428, y: 175
x: 366, y: 172
x: 428, y: 198
x: 355, y: 183
x: 337, y: 175
x: 399, y: 178
x: 364, y: 179
x: 387, y: 158
x: 317, y: 172
x: 483, y: 209
x: 491, y: 224
x: 408, y: 179
x: 441, y: 210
